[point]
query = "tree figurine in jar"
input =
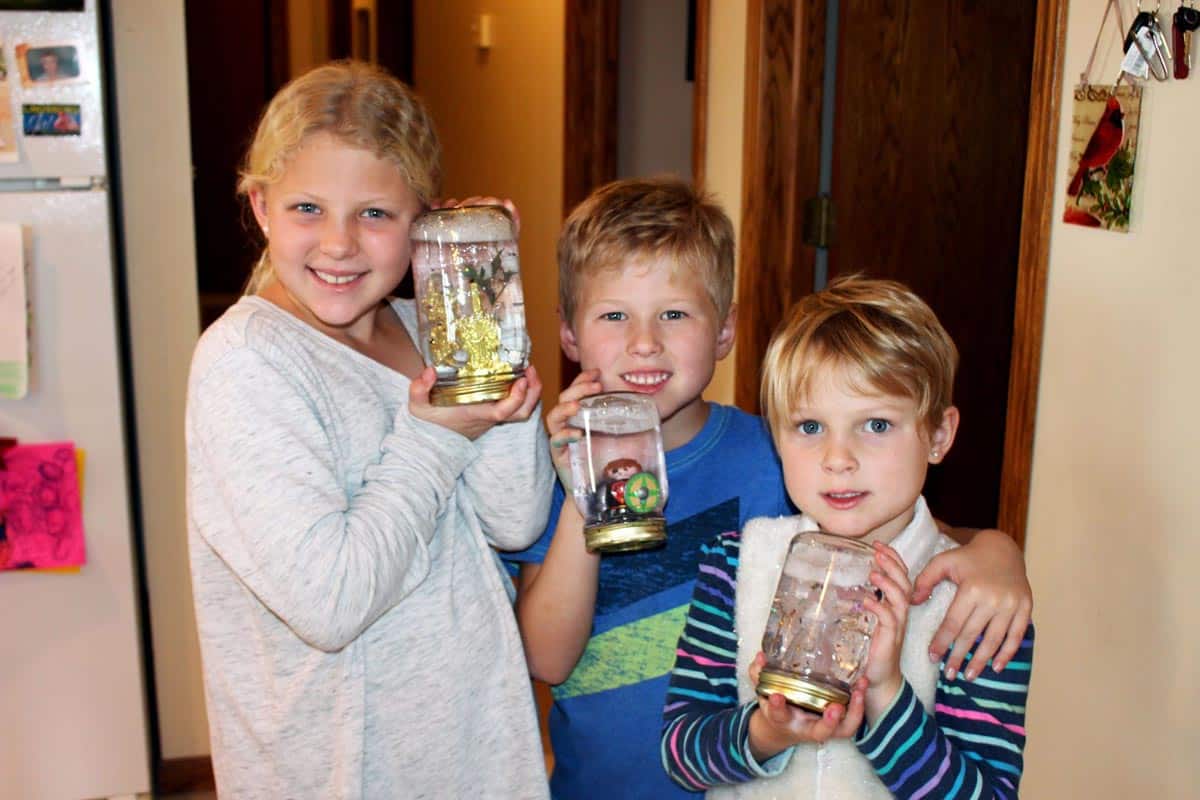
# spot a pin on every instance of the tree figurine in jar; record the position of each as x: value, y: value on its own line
x: 471, y: 308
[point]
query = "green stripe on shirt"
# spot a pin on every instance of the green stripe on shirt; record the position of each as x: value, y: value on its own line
x: 626, y: 655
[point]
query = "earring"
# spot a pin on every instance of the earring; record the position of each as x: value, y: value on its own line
x: 933, y: 453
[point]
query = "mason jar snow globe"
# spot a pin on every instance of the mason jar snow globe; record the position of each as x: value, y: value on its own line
x: 818, y: 633
x: 470, y: 307
x: 619, y: 473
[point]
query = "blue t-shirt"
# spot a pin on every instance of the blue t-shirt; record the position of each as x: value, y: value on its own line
x: 607, y: 716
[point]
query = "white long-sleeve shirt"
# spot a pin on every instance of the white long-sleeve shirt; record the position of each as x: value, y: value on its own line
x: 356, y: 627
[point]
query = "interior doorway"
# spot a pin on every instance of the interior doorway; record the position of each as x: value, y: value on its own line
x: 636, y: 84
x: 240, y: 52
x: 928, y: 144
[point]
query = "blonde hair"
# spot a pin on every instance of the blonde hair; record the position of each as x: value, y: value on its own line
x: 646, y: 218
x: 887, y: 337
x: 360, y: 104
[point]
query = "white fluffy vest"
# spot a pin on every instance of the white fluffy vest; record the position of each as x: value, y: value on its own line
x: 835, y: 770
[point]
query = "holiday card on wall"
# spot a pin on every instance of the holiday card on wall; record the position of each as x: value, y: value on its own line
x: 1104, y: 129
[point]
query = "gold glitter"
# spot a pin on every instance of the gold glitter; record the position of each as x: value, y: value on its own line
x: 470, y: 344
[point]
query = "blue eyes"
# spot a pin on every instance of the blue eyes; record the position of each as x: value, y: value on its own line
x: 621, y: 316
x: 810, y: 427
x: 312, y: 208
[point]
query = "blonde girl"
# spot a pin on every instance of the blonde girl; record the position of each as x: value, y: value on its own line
x: 356, y: 629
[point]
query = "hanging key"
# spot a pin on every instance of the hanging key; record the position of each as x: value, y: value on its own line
x: 1139, y: 43
x: 1146, y: 34
x: 1185, y: 20
x: 1160, y: 64
x: 1141, y: 20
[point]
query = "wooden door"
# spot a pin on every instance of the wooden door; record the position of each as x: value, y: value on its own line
x: 930, y: 183
x: 928, y: 156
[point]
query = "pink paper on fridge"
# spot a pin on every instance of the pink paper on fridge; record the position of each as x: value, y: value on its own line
x: 42, y: 522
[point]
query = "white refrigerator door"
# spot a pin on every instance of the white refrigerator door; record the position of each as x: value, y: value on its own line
x: 57, y: 156
x: 72, y: 713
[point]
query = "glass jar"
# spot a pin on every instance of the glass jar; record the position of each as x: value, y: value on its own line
x: 619, y: 473
x: 818, y: 633
x: 470, y: 307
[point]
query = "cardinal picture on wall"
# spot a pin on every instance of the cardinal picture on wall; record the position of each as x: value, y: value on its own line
x: 1103, y: 145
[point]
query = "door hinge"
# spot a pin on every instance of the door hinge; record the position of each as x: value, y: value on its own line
x: 819, y: 225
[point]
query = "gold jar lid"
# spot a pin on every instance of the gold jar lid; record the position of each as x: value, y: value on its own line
x: 473, y: 389
x: 809, y: 695
x: 626, y: 536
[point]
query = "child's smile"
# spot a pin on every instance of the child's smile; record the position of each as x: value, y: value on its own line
x: 647, y: 382
x: 336, y: 278
x: 844, y: 501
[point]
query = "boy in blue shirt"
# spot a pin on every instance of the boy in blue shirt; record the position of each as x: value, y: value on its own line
x: 646, y: 304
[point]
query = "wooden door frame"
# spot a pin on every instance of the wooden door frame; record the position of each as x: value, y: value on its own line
x: 781, y: 166
x: 590, y: 97
x: 785, y: 52
x: 1037, y: 212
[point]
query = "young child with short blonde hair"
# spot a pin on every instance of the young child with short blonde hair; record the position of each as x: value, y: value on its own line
x: 857, y: 389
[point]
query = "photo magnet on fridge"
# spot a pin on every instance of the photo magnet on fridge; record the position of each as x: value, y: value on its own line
x: 51, y: 119
x: 47, y: 64
x: 8, y: 125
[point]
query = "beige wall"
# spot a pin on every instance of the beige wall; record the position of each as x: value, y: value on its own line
x: 499, y: 113
x: 1113, y: 545
x: 160, y: 257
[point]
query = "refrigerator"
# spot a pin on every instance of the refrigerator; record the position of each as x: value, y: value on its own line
x: 73, y: 705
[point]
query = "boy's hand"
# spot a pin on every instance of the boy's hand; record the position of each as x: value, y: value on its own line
x: 472, y: 420
x: 586, y: 383
x: 883, y: 663
x: 993, y: 599
x: 777, y: 725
